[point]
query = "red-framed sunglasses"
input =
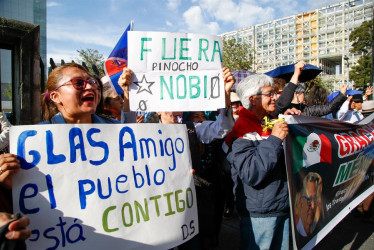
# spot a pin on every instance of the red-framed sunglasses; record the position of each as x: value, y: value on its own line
x: 80, y: 84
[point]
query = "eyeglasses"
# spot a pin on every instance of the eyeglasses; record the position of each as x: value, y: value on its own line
x: 80, y: 84
x: 310, y: 199
x: 270, y: 94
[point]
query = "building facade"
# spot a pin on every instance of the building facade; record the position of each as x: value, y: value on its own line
x: 29, y: 11
x: 319, y: 37
x: 22, y: 58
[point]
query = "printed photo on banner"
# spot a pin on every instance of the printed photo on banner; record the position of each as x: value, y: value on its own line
x: 93, y: 187
x: 175, y: 71
x: 330, y: 168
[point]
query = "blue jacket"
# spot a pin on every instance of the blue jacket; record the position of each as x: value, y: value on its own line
x: 59, y: 119
x: 258, y: 168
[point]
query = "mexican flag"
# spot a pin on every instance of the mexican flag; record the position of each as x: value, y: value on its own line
x: 310, y: 150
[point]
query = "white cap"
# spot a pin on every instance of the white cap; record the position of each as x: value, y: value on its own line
x: 234, y: 97
x: 368, y: 106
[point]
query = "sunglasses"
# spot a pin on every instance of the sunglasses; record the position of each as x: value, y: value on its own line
x: 80, y: 84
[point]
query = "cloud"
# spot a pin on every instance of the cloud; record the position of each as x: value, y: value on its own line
x: 169, y: 23
x: 196, y: 23
x: 242, y: 14
x: 84, y: 32
x: 53, y: 4
x: 173, y: 4
x: 57, y: 54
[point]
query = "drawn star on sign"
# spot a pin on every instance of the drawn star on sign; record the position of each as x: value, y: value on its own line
x: 144, y: 85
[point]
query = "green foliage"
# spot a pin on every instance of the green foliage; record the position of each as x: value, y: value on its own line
x: 362, y: 42
x: 361, y: 38
x: 7, y: 91
x: 92, y: 57
x: 327, y: 82
x: 237, y: 56
x: 314, y: 82
x: 360, y: 73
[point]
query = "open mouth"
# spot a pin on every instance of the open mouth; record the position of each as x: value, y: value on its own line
x: 88, y: 98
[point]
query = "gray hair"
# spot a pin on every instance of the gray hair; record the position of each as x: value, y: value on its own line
x: 252, y: 85
x: 300, y: 88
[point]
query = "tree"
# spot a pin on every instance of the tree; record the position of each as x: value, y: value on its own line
x: 360, y: 73
x: 92, y: 57
x: 327, y: 82
x: 237, y: 56
x: 361, y: 38
x: 362, y: 42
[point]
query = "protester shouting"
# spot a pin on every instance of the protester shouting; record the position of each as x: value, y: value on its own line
x: 73, y: 95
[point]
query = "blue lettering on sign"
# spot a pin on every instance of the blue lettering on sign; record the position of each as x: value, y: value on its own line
x: 52, y: 158
x: 130, y: 145
x: 22, y: 196
x: 73, y: 133
x: 65, y: 235
x: 100, y: 144
x: 21, y: 150
x: 87, y: 187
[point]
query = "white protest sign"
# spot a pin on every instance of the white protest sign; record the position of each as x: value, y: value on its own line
x: 96, y: 186
x: 175, y: 71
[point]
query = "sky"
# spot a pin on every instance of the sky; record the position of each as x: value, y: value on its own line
x: 98, y: 24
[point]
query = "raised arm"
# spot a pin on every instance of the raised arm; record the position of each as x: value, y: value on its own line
x: 209, y: 131
x: 284, y: 101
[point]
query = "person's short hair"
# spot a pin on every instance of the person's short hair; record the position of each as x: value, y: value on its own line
x: 252, y: 85
x: 279, y: 83
x: 357, y: 98
x: 300, y: 88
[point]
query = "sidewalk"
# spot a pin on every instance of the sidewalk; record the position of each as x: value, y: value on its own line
x: 353, y: 232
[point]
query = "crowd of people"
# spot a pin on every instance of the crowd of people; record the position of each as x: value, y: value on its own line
x: 230, y: 149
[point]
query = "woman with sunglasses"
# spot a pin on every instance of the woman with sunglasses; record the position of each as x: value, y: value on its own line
x: 73, y: 95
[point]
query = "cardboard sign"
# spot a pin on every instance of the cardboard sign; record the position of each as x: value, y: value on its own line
x: 175, y: 71
x: 96, y: 186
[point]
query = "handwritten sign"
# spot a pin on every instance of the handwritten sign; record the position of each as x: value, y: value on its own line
x: 97, y: 186
x: 175, y: 71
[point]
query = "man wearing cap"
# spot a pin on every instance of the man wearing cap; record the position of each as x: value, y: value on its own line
x: 350, y: 111
x: 368, y: 108
x: 235, y: 104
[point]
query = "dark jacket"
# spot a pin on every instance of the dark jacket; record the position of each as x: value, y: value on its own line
x: 258, y: 168
x: 284, y: 101
x: 321, y: 110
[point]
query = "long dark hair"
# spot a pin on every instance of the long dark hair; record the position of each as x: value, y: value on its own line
x: 317, y: 96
